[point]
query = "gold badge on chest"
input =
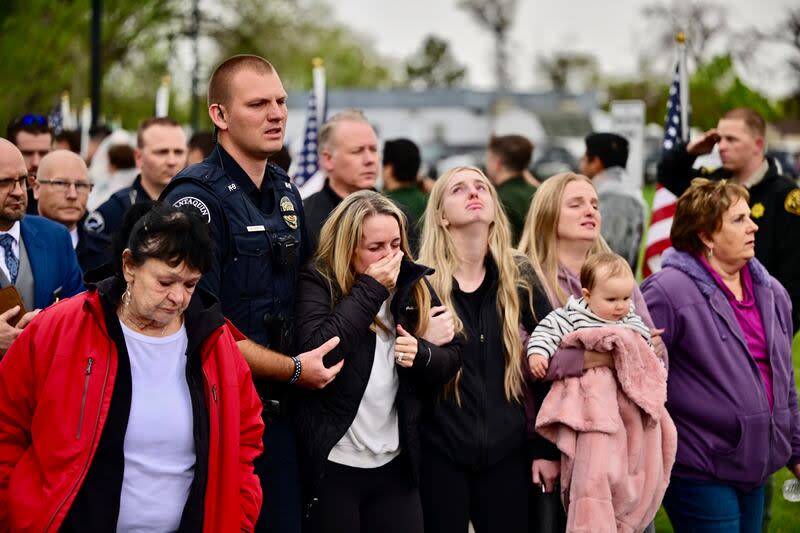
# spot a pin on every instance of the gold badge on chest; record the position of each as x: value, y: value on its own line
x: 757, y: 211
x: 792, y: 202
x: 288, y: 212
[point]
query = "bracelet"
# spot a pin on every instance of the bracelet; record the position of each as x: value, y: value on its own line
x: 298, y: 367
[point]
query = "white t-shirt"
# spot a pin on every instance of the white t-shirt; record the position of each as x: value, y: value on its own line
x: 159, y: 442
x: 373, y: 439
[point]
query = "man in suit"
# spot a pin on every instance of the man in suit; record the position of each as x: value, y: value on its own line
x: 62, y: 189
x: 36, y: 254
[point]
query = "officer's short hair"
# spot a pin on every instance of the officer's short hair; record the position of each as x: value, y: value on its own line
x: 203, y: 141
x: 149, y: 123
x: 610, y: 148
x: 404, y: 157
x: 121, y: 156
x: 513, y: 151
x: 219, y: 84
x: 752, y: 119
x: 699, y: 211
x: 328, y: 130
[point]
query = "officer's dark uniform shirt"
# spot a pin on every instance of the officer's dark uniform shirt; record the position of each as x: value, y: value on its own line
x: 92, y: 250
x: 259, y: 244
x: 108, y: 217
x: 774, y: 206
x: 101, y: 224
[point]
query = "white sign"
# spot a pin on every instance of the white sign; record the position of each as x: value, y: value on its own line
x: 627, y: 119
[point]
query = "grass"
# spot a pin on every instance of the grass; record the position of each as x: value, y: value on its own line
x: 785, y: 515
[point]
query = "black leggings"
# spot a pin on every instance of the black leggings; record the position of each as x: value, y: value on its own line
x: 367, y: 500
x: 494, y: 499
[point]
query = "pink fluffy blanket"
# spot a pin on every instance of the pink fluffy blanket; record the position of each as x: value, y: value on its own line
x: 616, y: 439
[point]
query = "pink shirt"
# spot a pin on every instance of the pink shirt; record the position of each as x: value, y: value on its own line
x: 749, y: 319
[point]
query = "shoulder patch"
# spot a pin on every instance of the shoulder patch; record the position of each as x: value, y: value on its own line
x: 792, y: 202
x: 95, y: 223
x: 196, y: 203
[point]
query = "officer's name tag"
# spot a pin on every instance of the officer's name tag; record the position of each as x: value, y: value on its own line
x: 252, y: 229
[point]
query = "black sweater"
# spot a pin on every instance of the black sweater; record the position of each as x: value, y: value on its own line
x: 486, y: 427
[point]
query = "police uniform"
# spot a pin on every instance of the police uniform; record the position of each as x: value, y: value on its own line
x: 774, y: 206
x: 101, y: 224
x: 107, y: 218
x: 259, y: 245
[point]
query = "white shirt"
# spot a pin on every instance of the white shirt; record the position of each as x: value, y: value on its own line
x: 73, y: 234
x: 14, y: 232
x: 159, y: 442
x: 373, y: 439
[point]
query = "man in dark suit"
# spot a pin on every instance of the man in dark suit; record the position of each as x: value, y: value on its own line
x: 62, y: 189
x: 36, y: 254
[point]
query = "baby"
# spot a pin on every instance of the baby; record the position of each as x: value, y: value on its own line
x: 607, y: 286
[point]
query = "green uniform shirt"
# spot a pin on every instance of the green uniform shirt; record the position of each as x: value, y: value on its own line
x: 516, y: 195
x: 412, y: 198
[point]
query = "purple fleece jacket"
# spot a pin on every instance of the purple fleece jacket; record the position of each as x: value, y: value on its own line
x: 715, y: 392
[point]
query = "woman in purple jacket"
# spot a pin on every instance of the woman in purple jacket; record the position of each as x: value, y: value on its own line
x: 731, y: 385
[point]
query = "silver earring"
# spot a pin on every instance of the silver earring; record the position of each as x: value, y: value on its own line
x: 710, y: 253
x: 126, y: 296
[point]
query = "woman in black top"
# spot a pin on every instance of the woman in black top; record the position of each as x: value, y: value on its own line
x: 477, y: 450
x: 358, y: 437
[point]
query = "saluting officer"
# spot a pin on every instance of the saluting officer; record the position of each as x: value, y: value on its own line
x: 774, y: 198
x: 256, y: 219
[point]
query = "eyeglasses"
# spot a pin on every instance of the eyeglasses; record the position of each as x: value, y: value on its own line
x: 82, y: 187
x: 30, y: 120
x: 7, y: 184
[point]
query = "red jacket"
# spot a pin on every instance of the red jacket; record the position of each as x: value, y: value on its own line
x: 55, y: 390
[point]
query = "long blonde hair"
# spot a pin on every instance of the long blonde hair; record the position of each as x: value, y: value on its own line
x: 437, y: 249
x: 539, y: 239
x: 340, y: 237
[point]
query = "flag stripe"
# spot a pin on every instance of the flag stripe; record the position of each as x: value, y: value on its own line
x: 664, y: 202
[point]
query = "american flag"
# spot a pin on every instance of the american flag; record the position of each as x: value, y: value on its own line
x: 664, y: 202
x: 308, y: 159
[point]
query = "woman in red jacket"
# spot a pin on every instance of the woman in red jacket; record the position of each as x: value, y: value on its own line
x: 129, y: 407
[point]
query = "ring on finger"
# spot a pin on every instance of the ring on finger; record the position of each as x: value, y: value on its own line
x: 400, y: 357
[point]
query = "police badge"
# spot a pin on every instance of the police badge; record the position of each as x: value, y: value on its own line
x: 792, y: 202
x: 288, y: 213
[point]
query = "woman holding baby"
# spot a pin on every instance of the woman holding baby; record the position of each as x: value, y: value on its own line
x: 561, y: 232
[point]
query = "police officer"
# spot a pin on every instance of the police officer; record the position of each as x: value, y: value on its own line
x: 256, y: 219
x: 160, y: 153
x: 774, y: 198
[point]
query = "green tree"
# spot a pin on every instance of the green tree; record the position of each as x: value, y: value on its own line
x: 570, y: 70
x: 497, y: 16
x: 434, y: 65
x: 290, y: 33
x: 45, y: 50
x: 716, y: 88
x: 702, y: 22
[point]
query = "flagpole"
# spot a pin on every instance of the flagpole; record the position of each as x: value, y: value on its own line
x: 162, y: 98
x: 318, y: 80
x: 684, y: 89
x: 66, y: 113
x: 86, y: 123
